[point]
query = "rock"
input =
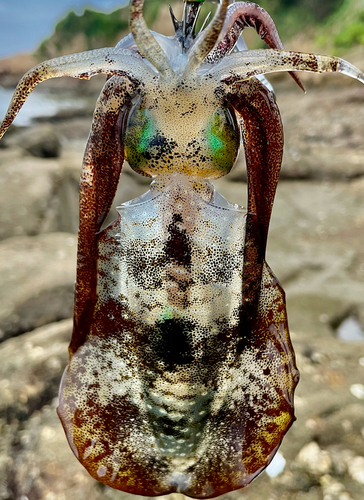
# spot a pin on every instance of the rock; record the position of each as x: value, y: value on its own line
x: 356, y: 468
x: 333, y: 490
x: 27, y: 194
x: 323, y: 134
x: 13, y: 68
x: 31, y: 368
x: 38, y: 275
x: 39, y: 141
x: 314, y: 460
x: 41, y: 196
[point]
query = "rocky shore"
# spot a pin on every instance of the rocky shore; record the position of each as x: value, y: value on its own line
x: 316, y: 249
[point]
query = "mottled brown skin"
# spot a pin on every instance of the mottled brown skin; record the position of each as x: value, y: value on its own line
x: 239, y: 438
x: 100, y: 175
x: 238, y: 448
x: 263, y: 145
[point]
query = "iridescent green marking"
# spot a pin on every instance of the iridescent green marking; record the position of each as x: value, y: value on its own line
x: 140, y: 132
x: 223, y: 139
x: 167, y: 314
x: 147, y: 133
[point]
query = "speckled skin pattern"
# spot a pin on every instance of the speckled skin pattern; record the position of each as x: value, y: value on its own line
x: 181, y: 373
x: 179, y: 385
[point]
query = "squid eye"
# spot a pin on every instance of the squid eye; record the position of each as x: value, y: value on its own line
x: 145, y: 131
x: 146, y: 147
x: 223, y: 138
x: 140, y: 133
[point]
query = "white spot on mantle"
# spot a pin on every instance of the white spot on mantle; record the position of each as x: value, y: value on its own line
x: 101, y: 471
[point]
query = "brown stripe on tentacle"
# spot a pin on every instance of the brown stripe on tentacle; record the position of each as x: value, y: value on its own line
x: 263, y: 142
x: 101, y: 170
x: 241, y: 15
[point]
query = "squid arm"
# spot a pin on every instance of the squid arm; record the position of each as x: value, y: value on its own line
x: 241, y: 15
x: 241, y: 66
x: 103, y: 159
x: 262, y: 133
x: 145, y: 41
x: 207, y: 39
x: 84, y: 65
x: 263, y: 140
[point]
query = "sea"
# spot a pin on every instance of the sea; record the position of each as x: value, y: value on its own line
x: 38, y: 104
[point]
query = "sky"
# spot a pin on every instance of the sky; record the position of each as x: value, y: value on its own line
x: 24, y: 24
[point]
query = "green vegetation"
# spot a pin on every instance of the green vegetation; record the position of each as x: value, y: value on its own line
x: 350, y: 35
x: 92, y: 30
x: 95, y: 28
x: 346, y: 25
x: 339, y: 24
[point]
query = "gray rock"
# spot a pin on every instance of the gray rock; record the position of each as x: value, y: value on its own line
x: 41, y: 196
x: 38, y: 141
x: 38, y: 275
x: 323, y: 134
x: 314, y: 460
x: 31, y: 368
x: 27, y: 194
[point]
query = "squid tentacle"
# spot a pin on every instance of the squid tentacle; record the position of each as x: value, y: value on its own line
x: 239, y: 16
x: 262, y: 133
x: 84, y: 66
x: 145, y: 41
x: 238, y: 67
x: 206, y: 41
x: 102, y: 164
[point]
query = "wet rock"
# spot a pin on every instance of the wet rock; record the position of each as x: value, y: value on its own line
x: 38, y: 275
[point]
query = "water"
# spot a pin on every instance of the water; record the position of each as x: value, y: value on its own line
x: 38, y: 104
x: 25, y: 24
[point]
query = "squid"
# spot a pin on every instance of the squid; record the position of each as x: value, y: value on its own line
x: 181, y: 372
